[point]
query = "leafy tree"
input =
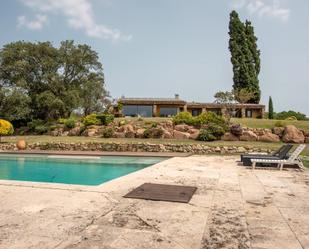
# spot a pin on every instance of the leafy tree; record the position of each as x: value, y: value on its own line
x: 243, y: 95
x: 224, y: 97
x: 270, y: 109
x: 287, y: 114
x: 245, y: 57
x: 14, y: 105
x: 51, y: 82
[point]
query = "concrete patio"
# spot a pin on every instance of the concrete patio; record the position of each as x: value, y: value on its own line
x: 234, y: 207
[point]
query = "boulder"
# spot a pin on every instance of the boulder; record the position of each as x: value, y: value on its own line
x: 140, y: 133
x: 167, y: 135
x: 195, y: 135
x: 181, y: 135
x: 236, y: 130
x: 292, y: 135
x: 269, y: 137
x: 182, y: 127
x: 119, y: 135
x: 126, y: 128
x: 306, y: 133
x: 130, y: 134
x: 307, y: 140
x: 89, y: 132
x: 229, y: 137
x: 167, y: 125
x: 75, y: 131
x: 248, y: 136
x: 278, y: 131
x: 193, y: 131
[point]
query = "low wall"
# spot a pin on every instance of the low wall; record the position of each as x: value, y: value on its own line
x: 137, y: 147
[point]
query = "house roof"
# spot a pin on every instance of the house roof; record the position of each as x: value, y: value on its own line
x: 152, y: 101
x: 180, y: 102
x: 217, y: 105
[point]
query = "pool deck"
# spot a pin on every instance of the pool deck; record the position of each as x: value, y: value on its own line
x: 234, y: 207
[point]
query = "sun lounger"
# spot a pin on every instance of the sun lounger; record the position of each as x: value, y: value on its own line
x: 280, y: 154
x: 292, y: 160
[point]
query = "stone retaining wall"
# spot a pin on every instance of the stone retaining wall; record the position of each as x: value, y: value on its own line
x: 137, y: 147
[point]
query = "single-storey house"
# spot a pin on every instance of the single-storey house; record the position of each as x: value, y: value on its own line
x: 167, y: 107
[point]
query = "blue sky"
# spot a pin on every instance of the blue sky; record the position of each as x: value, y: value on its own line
x: 162, y: 47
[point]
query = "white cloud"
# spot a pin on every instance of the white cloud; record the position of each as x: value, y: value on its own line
x: 34, y: 24
x: 79, y: 15
x: 271, y: 8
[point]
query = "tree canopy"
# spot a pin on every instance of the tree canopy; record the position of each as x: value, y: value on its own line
x: 245, y: 57
x: 40, y: 81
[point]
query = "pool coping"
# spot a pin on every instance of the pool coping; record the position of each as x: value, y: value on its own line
x: 96, y: 153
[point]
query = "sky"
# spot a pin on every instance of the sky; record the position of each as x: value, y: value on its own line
x: 159, y: 48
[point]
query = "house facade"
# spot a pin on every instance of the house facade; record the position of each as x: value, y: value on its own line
x: 167, y: 107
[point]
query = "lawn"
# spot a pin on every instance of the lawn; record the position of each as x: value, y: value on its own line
x: 268, y: 123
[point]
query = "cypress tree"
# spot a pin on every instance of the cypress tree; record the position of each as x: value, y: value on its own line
x: 270, y: 109
x: 245, y: 57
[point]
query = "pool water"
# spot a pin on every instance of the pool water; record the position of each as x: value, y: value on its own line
x: 70, y: 170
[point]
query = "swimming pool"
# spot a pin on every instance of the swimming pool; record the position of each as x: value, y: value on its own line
x: 70, y: 169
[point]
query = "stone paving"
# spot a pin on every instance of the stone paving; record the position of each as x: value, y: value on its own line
x: 234, y: 207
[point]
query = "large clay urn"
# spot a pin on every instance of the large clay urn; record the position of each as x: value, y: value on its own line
x: 21, y: 145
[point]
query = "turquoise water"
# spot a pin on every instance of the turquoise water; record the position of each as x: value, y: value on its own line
x: 70, y: 170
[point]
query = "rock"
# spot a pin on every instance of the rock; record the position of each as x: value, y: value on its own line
x: 269, y: 137
x: 21, y: 145
x: 130, y: 134
x: 140, y: 133
x: 89, y: 132
x: 292, y: 135
x: 236, y: 130
x: 181, y: 135
x: 278, y: 131
x: 229, y: 137
x: 167, y: 135
x: 241, y: 150
x: 306, y: 133
x: 193, y: 131
x: 167, y: 125
x: 119, y: 135
x: 75, y: 131
x: 307, y: 140
x: 248, y: 136
x: 195, y: 135
x: 182, y: 127
x: 126, y: 128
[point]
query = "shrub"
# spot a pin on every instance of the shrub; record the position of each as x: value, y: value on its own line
x: 6, y: 128
x: 62, y: 120
x: 211, y: 132
x: 206, y: 135
x: 292, y: 118
x: 41, y: 129
x: 123, y: 122
x: 279, y: 124
x: 153, y: 133
x: 284, y: 115
x: 105, y: 118
x: 209, y: 118
x: 70, y: 123
x: 91, y: 119
x: 108, y: 132
x: 183, y: 118
x: 34, y: 123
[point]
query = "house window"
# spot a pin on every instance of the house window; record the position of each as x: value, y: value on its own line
x: 168, y: 111
x: 248, y: 113
x: 137, y: 110
x: 196, y: 112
